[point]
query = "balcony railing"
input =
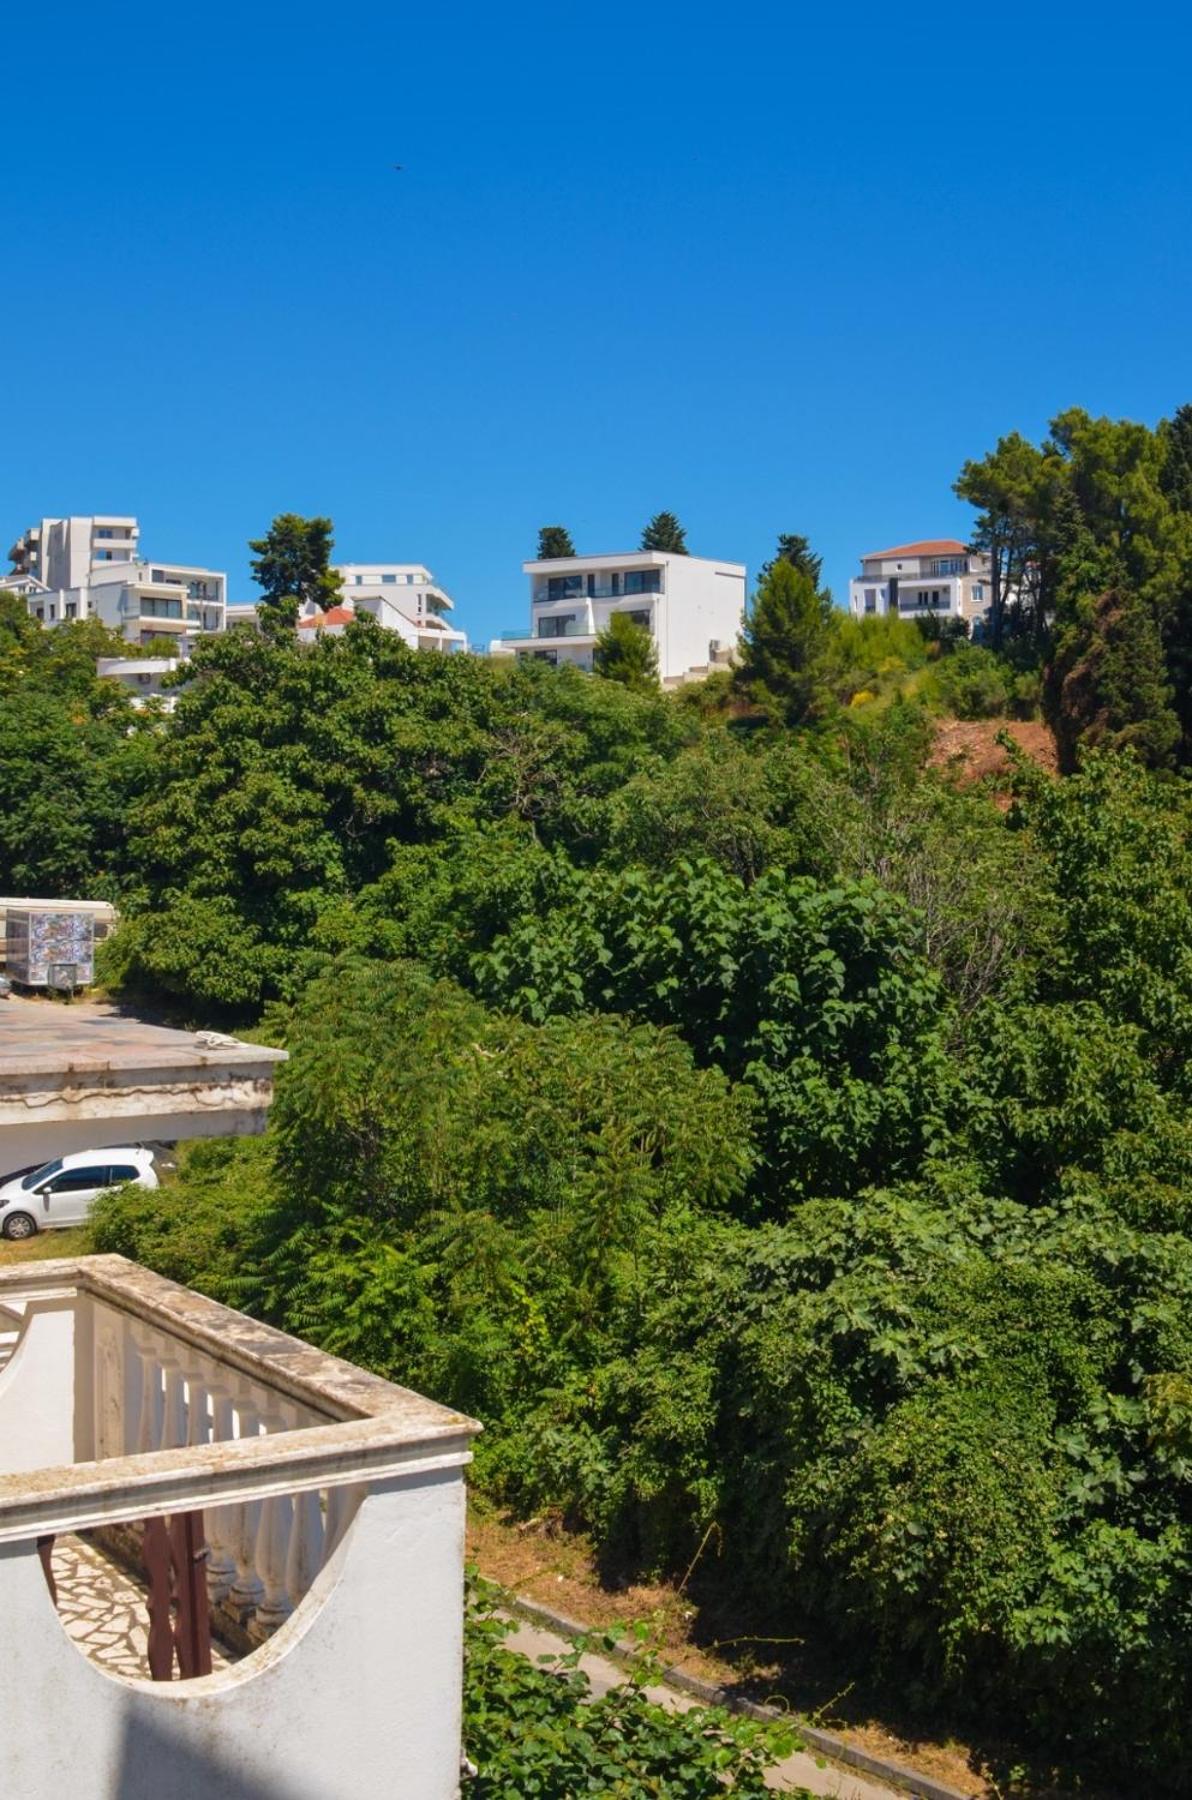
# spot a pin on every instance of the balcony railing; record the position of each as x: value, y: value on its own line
x: 600, y: 590
x: 325, y: 1505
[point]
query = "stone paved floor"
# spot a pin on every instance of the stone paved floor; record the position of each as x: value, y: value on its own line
x: 104, y: 1609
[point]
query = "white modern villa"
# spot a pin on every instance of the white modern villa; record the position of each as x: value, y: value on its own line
x: 401, y: 597
x: 90, y: 568
x: 692, y: 606
x: 937, y: 577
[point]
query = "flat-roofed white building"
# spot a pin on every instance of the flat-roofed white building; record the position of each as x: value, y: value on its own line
x: 936, y: 577
x: 164, y: 606
x: 63, y: 553
x: 692, y: 606
x: 402, y: 597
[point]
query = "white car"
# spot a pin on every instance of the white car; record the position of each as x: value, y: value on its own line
x: 60, y: 1193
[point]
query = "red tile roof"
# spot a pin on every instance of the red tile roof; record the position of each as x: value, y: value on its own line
x: 928, y: 547
x: 335, y: 615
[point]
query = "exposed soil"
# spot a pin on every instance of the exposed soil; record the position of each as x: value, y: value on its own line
x: 969, y: 749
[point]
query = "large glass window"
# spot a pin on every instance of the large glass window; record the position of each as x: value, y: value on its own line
x: 562, y: 626
x: 563, y: 587
x: 643, y: 581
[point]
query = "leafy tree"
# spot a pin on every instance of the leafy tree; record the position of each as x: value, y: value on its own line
x: 664, y: 532
x: 624, y: 652
x: 813, y: 995
x: 292, y: 564
x: 554, y: 540
x: 1008, y: 489
x: 783, y: 644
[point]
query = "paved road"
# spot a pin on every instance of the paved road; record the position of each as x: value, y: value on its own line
x: 799, y: 1770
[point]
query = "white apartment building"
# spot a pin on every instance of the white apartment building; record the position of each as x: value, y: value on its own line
x: 90, y: 568
x: 692, y: 606
x: 164, y: 606
x: 63, y: 553
x: 401, y: 597
x: 939, y: 577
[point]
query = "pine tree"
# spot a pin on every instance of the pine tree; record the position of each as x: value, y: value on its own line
x: 783, y: 643
x: 625, y: 652
x: 554, y: 540
x: 664, y: 532
x: 795, y: 550
x: 1112, y: 688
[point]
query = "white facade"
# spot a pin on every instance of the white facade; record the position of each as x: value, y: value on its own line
x: 692, y: 606
x: 64, y: 553
x: 331, y: 1508
x: 402, y: 597
x: 162, y: 605
x: 142, y: 676
x: 934, y: 578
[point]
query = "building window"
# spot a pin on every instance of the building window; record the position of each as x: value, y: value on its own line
x: 639, y: 618
x: 643, y: 581
x: 41, y: 613
x: 563, y: 587
x: 389, y: 580
x: 51, y: 613
x: 563, y: 626
x: 72, y: 610
x: 871, y: 600
x: 979, y: 593
x: 359, y: 580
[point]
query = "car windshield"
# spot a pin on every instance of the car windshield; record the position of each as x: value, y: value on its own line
x: 42, y: 1174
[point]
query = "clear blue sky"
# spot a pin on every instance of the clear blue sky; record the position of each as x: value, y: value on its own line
x: 775, y: 269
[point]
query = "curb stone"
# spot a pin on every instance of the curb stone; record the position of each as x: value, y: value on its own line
x: 825, y: 1743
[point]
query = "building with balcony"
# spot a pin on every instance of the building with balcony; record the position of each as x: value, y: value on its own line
x: 936, y: 578
x: 401, y: 597
x: 165, y: 606
x: 64, y: 553
x: 692, y: 607
x: 142, y: 676
x: 230, y: 1565
x: 91, y: 568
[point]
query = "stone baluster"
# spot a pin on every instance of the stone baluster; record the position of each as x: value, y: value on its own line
x: 247, y: 1589
x: 149, y: 1428
x: 306, y: 1545
x: 339, y: 1511
x: 220, y: 1522
x: 174, y: 1427
x: 273, y: 1542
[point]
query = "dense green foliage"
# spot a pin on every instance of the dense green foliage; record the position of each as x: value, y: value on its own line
x: 779, y: 1146
x: 1091, y: 539
x: 539, y: 1730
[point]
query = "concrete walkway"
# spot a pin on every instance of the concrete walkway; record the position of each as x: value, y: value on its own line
x: 799, y: 1770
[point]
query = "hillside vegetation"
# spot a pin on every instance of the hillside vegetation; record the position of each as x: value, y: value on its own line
x: 780, y: 1145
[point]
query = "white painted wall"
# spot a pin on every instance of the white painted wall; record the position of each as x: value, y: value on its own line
x: 357, y: 1697
x: 37, y: 1395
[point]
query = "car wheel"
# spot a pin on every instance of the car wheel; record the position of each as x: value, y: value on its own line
x: 20, y: 1225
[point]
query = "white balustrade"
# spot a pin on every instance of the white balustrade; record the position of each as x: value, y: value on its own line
x: 247, y: 1589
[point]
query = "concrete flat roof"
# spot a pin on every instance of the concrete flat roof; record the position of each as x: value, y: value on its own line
x: 51, y: 1037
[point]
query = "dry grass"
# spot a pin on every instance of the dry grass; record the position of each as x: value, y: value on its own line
x: 45, y: 1244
